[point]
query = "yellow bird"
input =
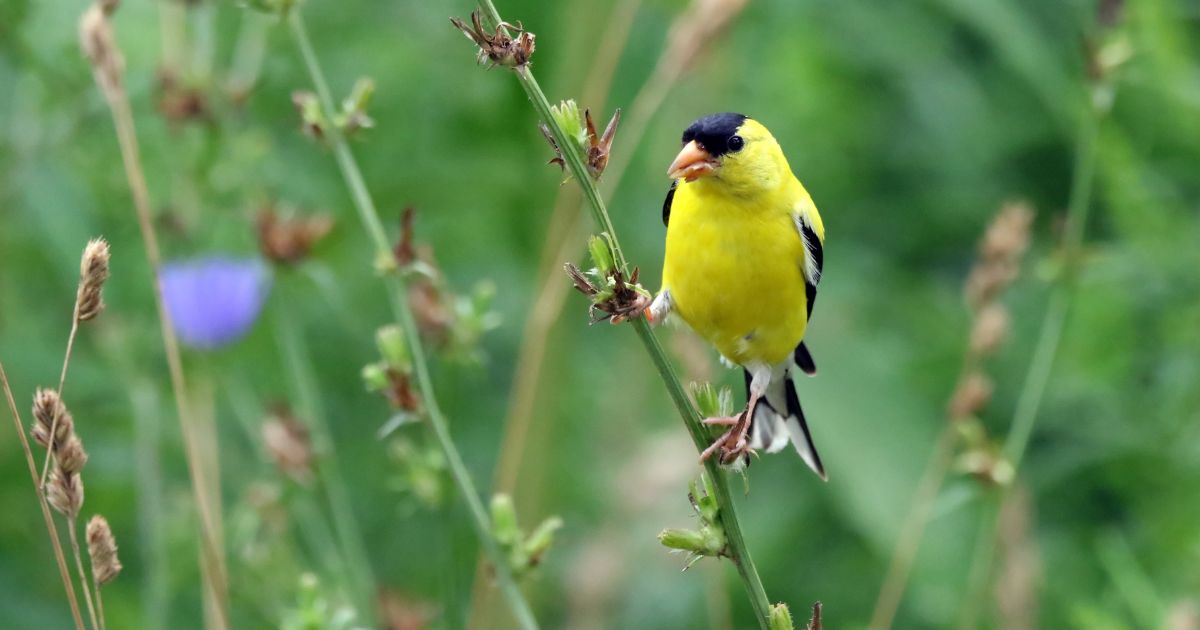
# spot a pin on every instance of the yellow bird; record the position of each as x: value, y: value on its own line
x: 743, y: 260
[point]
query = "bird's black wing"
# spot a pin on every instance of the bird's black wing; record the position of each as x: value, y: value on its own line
x: 817, y: 251
x: 804, y: 360
x: 667, y: 202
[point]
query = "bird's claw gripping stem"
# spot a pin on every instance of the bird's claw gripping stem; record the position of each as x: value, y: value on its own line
x: 732, y: 443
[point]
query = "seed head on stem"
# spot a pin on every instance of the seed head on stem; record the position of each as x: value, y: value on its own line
x: 93, y: 271
x: 102, y: 548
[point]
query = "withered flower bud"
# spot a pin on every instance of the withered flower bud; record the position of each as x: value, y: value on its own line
x: 400, y: 393
x: 599, y: 147
x: 406, y: 254
x: 102, y: 548
x: 288, y: 241
x: 498, y: 48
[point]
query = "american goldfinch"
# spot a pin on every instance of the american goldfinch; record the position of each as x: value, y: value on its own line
x: 743, y: 260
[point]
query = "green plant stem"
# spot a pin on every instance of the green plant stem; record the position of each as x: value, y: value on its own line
x: 211, y: 552
x: 1034, y: 388
x: 354, y: 554
x: 1042, y: 364
x: 911, y: 532
x: 155, y: 597
x: 398, y: 294
x: 980, y: 574
x: 73, y: 535
x: 55, y: 542
x: 738, y: 552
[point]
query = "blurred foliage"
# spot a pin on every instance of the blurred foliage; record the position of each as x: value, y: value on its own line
x: 910, y: 123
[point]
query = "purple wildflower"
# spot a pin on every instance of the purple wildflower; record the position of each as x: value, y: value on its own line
x: 213, y: 301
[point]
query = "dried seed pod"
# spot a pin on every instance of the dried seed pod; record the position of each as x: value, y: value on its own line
x: 102, y: 548
x: 93, y: 271
x: 290, y: 240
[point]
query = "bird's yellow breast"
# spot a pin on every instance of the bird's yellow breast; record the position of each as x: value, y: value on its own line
x: 734, y: 269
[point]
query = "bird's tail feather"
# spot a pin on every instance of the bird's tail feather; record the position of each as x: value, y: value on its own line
x: 778, y: 418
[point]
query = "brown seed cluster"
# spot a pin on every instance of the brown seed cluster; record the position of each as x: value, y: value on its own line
x: 1001, y: 249
x: 64, y: 485
x: 288, y: 241
x: 51, y: 416
x: 93, y: 271
x: 1000, y: 252
x: 102, y: 548
x: 498, y: 48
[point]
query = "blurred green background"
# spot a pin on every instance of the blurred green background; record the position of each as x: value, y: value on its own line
x: 910, y: 123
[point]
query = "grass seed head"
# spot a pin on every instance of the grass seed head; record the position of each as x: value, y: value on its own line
x: 93, y: 271
x: 64, y: 492
x: 102, y: 548
x: 49, y: 411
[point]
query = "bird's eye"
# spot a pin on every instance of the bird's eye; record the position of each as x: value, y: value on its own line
x: 736, y: 143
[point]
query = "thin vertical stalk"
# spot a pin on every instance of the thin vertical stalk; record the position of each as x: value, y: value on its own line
x: 62, y: 380
x: 204, y: 435
x: 562, y: 238
x: 1034, y: 389
x: 398, y: 297
x: 122, y: 116
x: 155, y: 598
x: 1024, y: 417
x: 737, y: 549
x: 1041, y: 366
x: 980, y: 572
x: 909, y: 540
x: 99, y: 601
x: 59, y: 557
x: 354, y: 554
x: 73, y: 534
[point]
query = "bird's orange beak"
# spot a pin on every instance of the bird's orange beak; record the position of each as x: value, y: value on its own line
x: 692, y: 163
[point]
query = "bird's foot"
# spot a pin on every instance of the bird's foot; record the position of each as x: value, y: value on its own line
x: 732, y: 444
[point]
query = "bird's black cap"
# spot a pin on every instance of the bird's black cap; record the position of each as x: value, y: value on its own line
x: 714, y: 131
